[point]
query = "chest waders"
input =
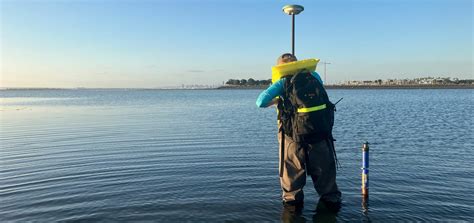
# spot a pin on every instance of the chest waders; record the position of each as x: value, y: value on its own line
x: 301, y: 145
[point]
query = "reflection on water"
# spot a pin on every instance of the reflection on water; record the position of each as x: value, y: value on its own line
x: 292, y: 214
x: 212, y: 156
x: 323, y: 214
x: 365, y: 208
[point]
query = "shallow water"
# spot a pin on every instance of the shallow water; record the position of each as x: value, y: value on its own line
x: 211, y: 155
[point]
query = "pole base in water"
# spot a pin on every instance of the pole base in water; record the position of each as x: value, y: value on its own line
x: 365, y: 192
x: 365, y: 205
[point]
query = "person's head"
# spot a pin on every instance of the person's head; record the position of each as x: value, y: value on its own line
x: 286, y: 58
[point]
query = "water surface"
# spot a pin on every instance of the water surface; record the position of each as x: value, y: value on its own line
x: 211, y: 155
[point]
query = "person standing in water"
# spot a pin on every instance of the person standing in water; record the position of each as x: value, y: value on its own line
x: 303, y: 154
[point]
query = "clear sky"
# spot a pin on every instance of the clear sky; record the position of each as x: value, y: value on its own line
x: 105, y: 43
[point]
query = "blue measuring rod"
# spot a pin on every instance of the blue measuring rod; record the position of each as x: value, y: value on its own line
x: 365, y: 169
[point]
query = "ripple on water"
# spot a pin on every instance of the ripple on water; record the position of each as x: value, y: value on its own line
x: 138, y: 155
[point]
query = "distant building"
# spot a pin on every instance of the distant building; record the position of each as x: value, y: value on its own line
x: 406, y: 81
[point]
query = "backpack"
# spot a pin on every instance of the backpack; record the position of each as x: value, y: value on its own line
x: 305, y: 112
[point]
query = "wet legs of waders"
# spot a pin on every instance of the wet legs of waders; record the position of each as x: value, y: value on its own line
x: 293, y: 177
x: 292, y: 214
x: 322, y: 168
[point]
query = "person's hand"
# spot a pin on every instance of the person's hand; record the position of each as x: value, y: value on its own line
x: 273, y: 102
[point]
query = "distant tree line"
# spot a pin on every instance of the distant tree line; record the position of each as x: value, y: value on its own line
x: 248, y: 82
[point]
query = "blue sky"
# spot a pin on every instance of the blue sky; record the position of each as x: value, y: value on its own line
x: 105, y: 43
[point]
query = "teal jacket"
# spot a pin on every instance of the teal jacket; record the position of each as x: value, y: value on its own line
x: 276, y: 89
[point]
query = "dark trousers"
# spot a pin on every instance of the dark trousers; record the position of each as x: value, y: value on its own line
x: 316, y: 160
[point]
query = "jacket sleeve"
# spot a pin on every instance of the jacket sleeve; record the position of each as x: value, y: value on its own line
x: 274, y: 90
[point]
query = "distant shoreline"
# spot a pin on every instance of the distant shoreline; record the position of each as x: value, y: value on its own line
x: 261, y: 87
x: 420, y: 86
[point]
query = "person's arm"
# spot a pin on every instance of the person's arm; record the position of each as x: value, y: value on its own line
x: 268, y: 96
x: 273, y: 102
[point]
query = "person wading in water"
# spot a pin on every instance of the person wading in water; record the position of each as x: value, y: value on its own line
x: 305, y: 119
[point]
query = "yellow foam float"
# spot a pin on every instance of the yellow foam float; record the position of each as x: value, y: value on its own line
x: 292, y: 68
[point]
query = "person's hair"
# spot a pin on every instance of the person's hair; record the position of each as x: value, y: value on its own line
x: 286, y: 58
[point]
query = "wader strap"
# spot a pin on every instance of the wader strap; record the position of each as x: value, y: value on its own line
x: 305, y: 148
x: 330, y: 142
x: 282, y: 150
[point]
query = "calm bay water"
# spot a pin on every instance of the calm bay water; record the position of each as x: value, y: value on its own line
x: 212, y: 156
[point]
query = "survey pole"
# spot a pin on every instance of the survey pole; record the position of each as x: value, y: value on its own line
x: 293, y: 34
x: 293, y: 10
